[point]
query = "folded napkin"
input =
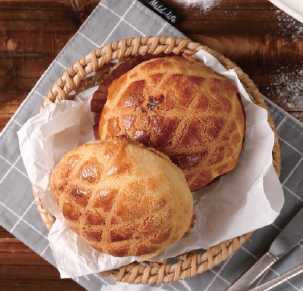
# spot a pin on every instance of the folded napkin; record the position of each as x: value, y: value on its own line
x: 112, y: 20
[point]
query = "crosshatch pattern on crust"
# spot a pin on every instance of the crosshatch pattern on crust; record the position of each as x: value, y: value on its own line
x: 183, y: 109
x: 110, y: 200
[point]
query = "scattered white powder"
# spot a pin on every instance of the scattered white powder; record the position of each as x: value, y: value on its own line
x: 288, y: 25
x: 203, y: 4
x: 287, y: 84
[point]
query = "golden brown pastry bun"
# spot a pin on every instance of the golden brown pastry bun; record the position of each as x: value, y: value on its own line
x: 183, y: 109
x: 123, y: 199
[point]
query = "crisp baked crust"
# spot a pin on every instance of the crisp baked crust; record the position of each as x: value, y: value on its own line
x: 122, y: 198
x: 183, y: 109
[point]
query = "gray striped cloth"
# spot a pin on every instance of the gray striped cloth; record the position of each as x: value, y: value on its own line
x: 112, y: 20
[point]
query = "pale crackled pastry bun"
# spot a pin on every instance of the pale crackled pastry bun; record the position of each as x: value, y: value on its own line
x: 122, y: 198
x: 183, y: 109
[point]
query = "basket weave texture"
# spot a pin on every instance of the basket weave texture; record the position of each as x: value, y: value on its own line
x: 189, y: 264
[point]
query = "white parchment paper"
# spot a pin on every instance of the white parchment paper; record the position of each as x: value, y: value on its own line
x: 244, y: 200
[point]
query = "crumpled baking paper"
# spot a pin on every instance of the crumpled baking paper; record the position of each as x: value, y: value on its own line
x: 244, y: 200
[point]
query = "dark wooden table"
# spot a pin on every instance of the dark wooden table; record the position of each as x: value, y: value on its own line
x: 265, y: 42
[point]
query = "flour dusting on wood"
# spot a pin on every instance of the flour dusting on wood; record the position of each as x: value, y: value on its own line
x: 205, y: 5
x: 289, y: 26
x: 287, y: 83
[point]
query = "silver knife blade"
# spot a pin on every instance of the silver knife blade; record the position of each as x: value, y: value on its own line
x: 298, y: 270
x: 289, y: 238
x: 254, y: 273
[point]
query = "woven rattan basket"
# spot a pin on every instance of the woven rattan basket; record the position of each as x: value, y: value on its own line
x: 98, y: 62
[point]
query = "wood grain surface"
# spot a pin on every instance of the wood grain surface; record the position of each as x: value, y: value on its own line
x: 266, y: 43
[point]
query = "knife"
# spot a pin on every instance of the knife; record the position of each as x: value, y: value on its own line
x: 289, y: 238
x: 269, y: 285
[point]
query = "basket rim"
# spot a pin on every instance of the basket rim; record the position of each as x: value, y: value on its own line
x: 188, y: 264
